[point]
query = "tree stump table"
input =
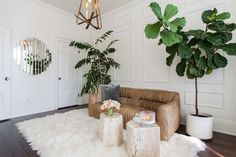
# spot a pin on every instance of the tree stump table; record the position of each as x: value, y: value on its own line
x: 111, y: 129
x: 143, y: 141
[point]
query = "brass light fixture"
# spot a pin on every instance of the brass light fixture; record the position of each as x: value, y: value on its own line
x: 92, y: 16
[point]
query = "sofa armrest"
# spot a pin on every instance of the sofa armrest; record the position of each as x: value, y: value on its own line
x: 168, y: 117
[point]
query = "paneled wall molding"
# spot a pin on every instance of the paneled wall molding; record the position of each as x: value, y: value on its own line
x: 124, y: 19
x: 132, y: 4
x: 154, y: 71
x: 124, y: 24
x: 128, y: 28
x: 211, y: 96
x: 225, y: 126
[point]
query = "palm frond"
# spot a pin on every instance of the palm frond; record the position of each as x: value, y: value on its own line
x: 108, y: 51
x: 94, y: 52
x: 80, y: 45
x: 103, y: 37
x: 111, y: 43
x: 112, y: 63
x: 83, y: 62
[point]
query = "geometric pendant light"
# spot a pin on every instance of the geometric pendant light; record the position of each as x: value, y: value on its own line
x: 89, y: 13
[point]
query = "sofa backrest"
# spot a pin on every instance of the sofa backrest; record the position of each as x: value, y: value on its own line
x: 143, y: 97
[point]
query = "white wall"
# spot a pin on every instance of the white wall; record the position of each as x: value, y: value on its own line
x: 32, y: 18
x: 143, y: 61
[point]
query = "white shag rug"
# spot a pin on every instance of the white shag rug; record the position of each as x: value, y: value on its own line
x: 75, y: 134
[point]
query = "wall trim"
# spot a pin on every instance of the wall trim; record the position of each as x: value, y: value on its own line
x: 51, y: 7
x: 132, y: 46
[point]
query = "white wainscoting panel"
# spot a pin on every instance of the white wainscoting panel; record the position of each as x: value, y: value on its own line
x: 124, y: 54
x: 206, y: 99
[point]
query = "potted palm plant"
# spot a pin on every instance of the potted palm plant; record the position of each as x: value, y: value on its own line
x: 99, y: 62
x: 200, y: 52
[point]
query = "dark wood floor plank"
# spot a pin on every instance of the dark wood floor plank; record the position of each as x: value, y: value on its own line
x: 11, y: 141
x: 4, y: 149
x: 12, y: 144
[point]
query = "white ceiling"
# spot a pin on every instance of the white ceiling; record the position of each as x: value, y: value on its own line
x: 71, y: 5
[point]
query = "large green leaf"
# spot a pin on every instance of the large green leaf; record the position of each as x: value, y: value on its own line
x: 201, y: 64
x: 156, y: 9
x: 195, y: 72
x: 219, y: 38
x: 229, y: 27
x: 199, y: 34
x: 193, y: 42
x: 189, y: 75
x: 170, y: 11
x: 181, y: 67
x: 221, y: 26
x: 210, y: 60
x: 177, y: 23
x: 152, y: 30
x: 230, y: 49
x: 220, y: 60
x: 170, y: 38
x: 209, y: 16
x: 172, y: 49
x: 184, y: 51
x: 205, y: 45
x: 223, y: 16
x: 209, y: 71
x: 197, y: 54
x: 216, y: 25
x: 170, y: 59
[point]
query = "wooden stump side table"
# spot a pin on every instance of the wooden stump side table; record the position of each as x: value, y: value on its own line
x: 111, y: 129
x: 143, y: 141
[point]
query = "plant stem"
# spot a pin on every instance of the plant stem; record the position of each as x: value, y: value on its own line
x: 196, y: 97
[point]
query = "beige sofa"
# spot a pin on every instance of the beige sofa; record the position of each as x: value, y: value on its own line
x: 166, y: 104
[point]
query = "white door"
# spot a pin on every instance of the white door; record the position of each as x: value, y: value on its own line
x: 69, y: 78
x: 5, y: 54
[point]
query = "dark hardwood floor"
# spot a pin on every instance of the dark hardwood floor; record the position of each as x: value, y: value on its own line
x: 12, y: 144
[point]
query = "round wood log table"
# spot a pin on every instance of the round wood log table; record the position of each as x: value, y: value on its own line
x: 111, y: 129
x: 143, y: 141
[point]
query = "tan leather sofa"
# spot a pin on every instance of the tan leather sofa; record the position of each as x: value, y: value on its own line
x: 166, y: 104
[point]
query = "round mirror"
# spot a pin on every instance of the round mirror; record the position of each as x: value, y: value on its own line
x: 32, y: 56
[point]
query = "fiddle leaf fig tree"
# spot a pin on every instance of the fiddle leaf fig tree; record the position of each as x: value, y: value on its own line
x: 201, y: 51
x: 99, y: 62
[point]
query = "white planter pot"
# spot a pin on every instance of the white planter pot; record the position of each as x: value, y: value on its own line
x: 201, y: 127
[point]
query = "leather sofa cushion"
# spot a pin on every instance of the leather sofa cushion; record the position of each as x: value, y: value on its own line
x: 147, y: 94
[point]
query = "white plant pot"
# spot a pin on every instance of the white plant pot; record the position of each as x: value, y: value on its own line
x: 200, y: 126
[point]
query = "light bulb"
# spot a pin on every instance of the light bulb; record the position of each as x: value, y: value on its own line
x: 89, y: 1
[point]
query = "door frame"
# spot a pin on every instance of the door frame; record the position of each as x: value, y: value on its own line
x: 7, y: 72
x: 67, y: 40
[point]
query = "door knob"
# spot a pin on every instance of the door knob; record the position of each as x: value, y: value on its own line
x: 59, y: 78
x: 6, y: 78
